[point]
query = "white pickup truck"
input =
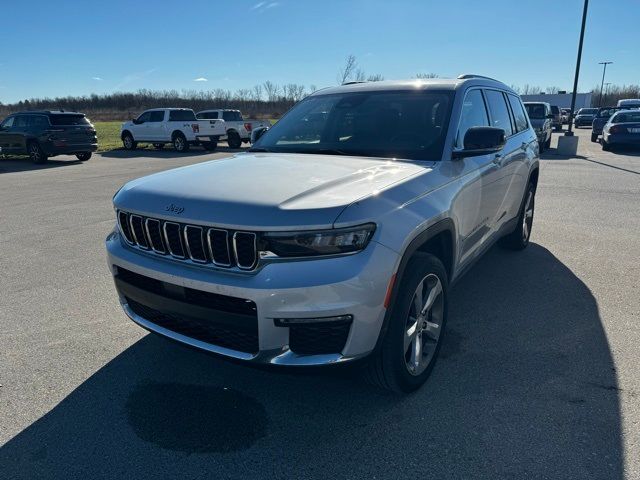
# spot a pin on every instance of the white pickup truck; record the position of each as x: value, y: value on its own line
x: 177, y: 126
x: 238, y: 130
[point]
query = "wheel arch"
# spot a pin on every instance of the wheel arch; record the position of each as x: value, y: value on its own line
x: 438, y: 240
x: 175, y: 133
x: 125, y: 132
x: 534, y: 175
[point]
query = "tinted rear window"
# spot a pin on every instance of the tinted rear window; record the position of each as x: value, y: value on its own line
x: 181, y: 116
x: 231, y: 116
x: 587, y: 111
x: 68, y: 119
x: 627, y: 117
x: 207, y: 115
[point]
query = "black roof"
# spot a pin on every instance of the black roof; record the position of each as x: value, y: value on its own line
x: 47, y: 112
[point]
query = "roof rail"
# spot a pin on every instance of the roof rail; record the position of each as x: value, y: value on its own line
x: 465, y: 76
x: 353, y: 82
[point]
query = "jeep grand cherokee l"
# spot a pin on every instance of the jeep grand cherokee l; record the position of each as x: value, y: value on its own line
x: 338, y: 235
x: 45, y: 134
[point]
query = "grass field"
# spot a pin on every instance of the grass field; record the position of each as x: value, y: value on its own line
x: 109, y: 135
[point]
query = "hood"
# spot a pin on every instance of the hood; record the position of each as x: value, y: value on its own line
x: 281, y: 191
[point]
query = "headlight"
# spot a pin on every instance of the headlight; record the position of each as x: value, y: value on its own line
x: 318, y: 242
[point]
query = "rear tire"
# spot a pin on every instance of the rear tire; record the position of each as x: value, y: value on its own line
x: 594, y: 137
x: 128, y: 142
x: 234, y: 140
x: 519, y: 238
x: 210, y: 146
x: 84, y: 156
x: 606, y: 146
x: 547, y: 144
x: 411, y: 344
x: 180, y: 143
x: 36, y: 153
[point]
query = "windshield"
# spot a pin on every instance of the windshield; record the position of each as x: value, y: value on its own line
x: 535, y: 110
x: 68, y: 119
x: 626, y: 117
x: 587, y: 111
x: 403, y: 124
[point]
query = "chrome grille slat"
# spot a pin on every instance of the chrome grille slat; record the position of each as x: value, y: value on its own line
x: 218, y: 242
x: 195, y: 246
x: 169, y: 236
x: 137, y: 229
x: 200, y: 244
x: 154, y: 235
x: 244, y: 250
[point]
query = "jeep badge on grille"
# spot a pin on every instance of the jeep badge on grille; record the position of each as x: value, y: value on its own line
x: 174, y: 209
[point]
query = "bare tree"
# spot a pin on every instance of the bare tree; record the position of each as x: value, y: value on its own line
x: 346, y: 72
x: 424, y: 76
x: 375, y: 78
x: 257, y: 93
x: 552, y: 90
x: 271, y: 90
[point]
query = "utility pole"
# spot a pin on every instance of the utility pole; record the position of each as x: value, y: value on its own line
x: 569, y: 132
x: 604, y: 71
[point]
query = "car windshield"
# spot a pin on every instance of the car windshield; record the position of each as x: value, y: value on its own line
x: 399, y: 124
x: 68, y: 119
x: 626, y: 117
x: 587, y: 111
x: 535, y: 110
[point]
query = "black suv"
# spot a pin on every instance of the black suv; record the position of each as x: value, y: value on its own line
x: 44, y: 134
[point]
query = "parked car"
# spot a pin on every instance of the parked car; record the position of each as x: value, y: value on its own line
x: 566, y: 113
x: 333, y: 240
x: 542, y: 122
x: 584, y: 117
x: 238, y: 130
x: 601, y: 118
x: 556, y: 121
x: 44, y: 134
x: 623, y: 128
x: 629, y: 103
x: 177, y: 126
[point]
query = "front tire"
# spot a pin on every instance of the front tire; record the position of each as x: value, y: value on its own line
x: 36, y: 153
x: 519, y: 238
x: 594, y: 137
x: 180, y: 143
x: 547, y: 144
x: 128, y: 142
x: 606, y: 146
x: 415, y: 333
x: 83, y: 156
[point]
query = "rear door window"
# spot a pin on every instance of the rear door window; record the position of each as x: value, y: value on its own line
x: 157, y: 116
x: 474, y: 114
x: 230, y: 116
x: 208, y: 115
x: 499, y: 111
x: 518, y: 113
x: 181, y: 116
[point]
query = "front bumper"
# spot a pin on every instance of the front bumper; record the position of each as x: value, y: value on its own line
x: 353, y: 285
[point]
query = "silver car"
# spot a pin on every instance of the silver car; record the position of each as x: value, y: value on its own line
x: 336, y: 238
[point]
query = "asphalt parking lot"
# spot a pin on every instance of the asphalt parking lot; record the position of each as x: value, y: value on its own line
x: 539, y: 374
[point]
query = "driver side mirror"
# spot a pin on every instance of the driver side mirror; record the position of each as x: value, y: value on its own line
x: 481, y: 141
x: 136, y: 121
x: 257, y: 133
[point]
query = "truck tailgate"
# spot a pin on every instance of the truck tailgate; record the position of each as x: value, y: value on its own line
x: 209, y: 127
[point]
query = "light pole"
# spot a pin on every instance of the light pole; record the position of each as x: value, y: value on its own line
x: 569, y: 132
x: 606, y: 85
x: 568, y: 144
x: 604, y: 71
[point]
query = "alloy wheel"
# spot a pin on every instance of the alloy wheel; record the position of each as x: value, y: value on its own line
x: 527, y: 218
x: 423, y: 326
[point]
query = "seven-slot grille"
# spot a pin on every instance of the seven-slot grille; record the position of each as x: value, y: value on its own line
x: 199, y: 244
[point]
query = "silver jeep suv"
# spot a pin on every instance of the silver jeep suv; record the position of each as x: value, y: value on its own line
x: 338, y: 235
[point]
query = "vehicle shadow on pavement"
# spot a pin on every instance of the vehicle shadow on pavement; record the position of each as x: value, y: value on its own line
x: 525, y: 388
x: 25, y: 164
x: 167, y: 152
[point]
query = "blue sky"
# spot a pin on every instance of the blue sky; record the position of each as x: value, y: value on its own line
x: 75, y: 47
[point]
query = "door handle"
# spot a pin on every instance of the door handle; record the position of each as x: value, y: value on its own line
x: 497, y: 159
x: 524, y: 145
